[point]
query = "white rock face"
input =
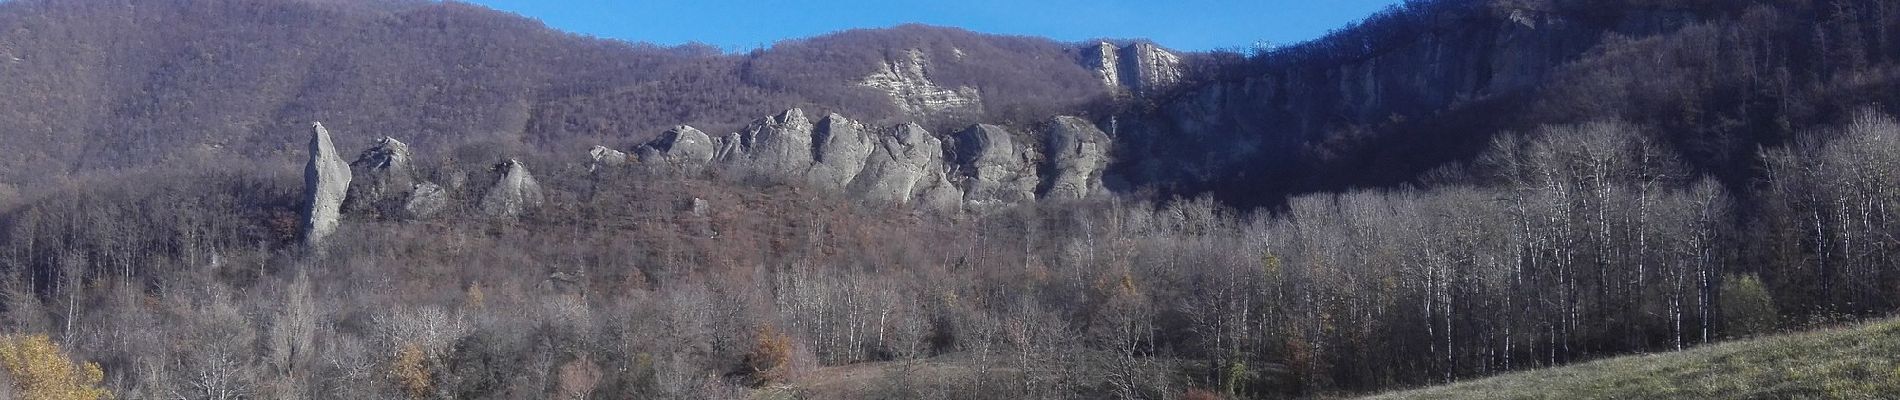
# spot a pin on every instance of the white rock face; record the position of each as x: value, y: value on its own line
x: 1154, y: 68
x: 1105, y: 60
x: 515, y: 193
x: 907, y: 80
x: 326, y: 183
x: 1135, y: 68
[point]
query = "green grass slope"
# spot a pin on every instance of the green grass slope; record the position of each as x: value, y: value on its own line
x: 1858, y: 362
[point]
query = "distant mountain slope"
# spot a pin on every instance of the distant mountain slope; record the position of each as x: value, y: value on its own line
x: 1847, y: 363
x: 97, y: 85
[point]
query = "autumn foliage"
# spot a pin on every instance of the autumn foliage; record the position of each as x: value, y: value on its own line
x: 41, y: 371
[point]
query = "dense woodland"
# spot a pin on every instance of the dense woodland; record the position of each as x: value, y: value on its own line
x: 1728, y: 176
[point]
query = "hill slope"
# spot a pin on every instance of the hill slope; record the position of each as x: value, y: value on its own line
x: 98, y: 86
x: 1847, y: 363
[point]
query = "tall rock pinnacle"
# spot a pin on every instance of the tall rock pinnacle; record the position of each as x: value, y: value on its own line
x: 326, y: 181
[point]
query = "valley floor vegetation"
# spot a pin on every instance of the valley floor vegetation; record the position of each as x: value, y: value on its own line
x: 1561, y: 245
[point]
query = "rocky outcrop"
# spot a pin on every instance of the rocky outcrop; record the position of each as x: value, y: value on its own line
x: 901, y: 167
x: 682, y: 144
x: 1105, y: 59
x: 779, y: 147
x: 386, y: 184
x: 840, y: 149
x: 907, y: 80
x: 940, y: 194
x: 1153, y: 67
x: 326, y: 184
x: 1078, y: 153
x: 513, y: 194
x: 1132, y: 69
x: 980, y: 168
x: 382, y: 177
x: 603, y: 157
x: 425, y: 200
x: 995, y: 170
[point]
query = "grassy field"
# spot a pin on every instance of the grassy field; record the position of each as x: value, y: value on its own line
x: 1855, y: 362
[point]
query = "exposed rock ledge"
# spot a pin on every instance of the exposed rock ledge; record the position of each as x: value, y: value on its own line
x: 982, y: 167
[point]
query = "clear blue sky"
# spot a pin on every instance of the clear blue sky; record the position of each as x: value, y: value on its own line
x: 742, y: 25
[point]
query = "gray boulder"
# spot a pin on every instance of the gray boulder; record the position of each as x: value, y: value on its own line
x: 382, y: 177
x: 603, y: 157
x: 326, y: 182
x: 900, y: 166
x: 425, y: 200
x: 996, y: 171
x: 778, y: 147
x: 514, y: 193
x: 842, y: 147
x: 1077, y: 152
x: 682, y: 144
x: 936, y: 193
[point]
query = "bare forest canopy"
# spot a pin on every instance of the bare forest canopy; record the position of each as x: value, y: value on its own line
x: 1447, y: 190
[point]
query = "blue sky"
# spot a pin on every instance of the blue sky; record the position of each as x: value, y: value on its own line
x: 743, y: 25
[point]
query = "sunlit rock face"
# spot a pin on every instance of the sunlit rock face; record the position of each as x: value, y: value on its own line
x: 1132, y: 69
x: 1077, y: 153
x: 513, y: 194
x: 326, y: 184
x: 902, y: 166
x: 983, y: 167
x: 995, y: 170
x: 907, y: 80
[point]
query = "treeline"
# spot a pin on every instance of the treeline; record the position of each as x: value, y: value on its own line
x: 1558, y: 245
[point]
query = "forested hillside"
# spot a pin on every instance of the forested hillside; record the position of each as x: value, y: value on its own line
x: 106, y: 85
x: 1448, y: 190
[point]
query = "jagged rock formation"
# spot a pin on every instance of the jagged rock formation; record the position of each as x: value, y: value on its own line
x: 778, y: 147
x: 907, y: 80
x: 385, y: 183
x: 326, y: 184
x: 983, y: 167
x: 902, y: 166
x: 514, y: 193
x: 381, y: 174
x: 1078, y: 153
x: 996, y: 171
x: 1135, y: 68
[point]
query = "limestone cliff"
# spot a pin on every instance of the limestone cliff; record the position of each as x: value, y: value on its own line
x: 1133, y: 69
x: 907, y: 80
